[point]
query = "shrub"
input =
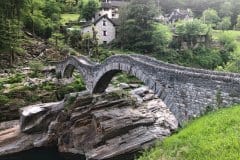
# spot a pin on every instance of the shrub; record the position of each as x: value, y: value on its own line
x: 17, y: 78
x: 36, y: 66
x: 3, y: 99
x: 77, y: 86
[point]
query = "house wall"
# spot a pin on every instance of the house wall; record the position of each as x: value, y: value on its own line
x: 87, y: 29
x: 110, y: 31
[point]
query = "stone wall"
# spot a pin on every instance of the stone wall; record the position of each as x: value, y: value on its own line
x: 187, y: 92
x: 109, y: 28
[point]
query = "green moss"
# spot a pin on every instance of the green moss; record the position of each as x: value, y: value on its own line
x: 215, y: 136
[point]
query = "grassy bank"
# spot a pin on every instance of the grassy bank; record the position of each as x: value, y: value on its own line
x: 215, y: 136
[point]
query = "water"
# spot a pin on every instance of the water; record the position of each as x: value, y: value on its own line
x: 40, y: 154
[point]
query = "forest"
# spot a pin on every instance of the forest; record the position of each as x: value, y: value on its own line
x: 219, y: 20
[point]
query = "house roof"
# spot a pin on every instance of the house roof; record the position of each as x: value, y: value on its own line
x: 104, y: 16
x: 89, y: 23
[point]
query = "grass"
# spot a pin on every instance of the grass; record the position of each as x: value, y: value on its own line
x: 67, y: 17
x: 215, y: 136
x: 231, y: 33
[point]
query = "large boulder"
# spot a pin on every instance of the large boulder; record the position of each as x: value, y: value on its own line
x: 103, y: 126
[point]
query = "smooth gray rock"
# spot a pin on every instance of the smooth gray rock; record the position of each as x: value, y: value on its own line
x: 124, y: 86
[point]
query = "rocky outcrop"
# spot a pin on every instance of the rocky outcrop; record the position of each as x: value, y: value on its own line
x: 105, y: 126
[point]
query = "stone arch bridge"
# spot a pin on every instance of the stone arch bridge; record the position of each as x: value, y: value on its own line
x: 186, y: 91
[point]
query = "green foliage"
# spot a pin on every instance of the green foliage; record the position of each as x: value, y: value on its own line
x: 133, y: 21
x: 17, y: 78
x: 4, y: 99
x: 191, y: 28
x: 41, y: 17
x: 238, y: 23
x: 207, y: 58
x: 67, y: 17
x: 162, y: 36
x: 214, y: 136
x: 125, y: 78
x: 52, y: 10
x: 210, y: 16
x: 36, y: 67
x: 225, y: 9
x: 227, y: 41
x: 224, y: 24
x: 75, y: 38
x: 10, y: 27
x: 88, y: 10
x: 76, y: 86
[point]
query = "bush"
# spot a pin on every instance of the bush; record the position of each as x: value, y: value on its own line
x: 3, y: 99
x: 17, y: 78
x: 228, y: 42
x: 77, y: 86
x: 36, y: 67
x: 207, y: 58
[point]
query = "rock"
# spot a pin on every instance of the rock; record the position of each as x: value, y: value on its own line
x: 112, y: 89
x: 7, y: 85
x: 124, y: 86
x: 37, y: 117
x: 102, y: 126
x: 148, y: 97
x: 134, y: 85
x: 140, y: 91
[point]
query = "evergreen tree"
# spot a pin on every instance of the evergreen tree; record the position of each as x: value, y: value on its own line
x: 10, y: 27
x: 137, y: 26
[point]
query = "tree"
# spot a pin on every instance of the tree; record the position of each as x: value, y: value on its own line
x: 162, y: 36
x: 224, y: 24
x: 225, y: 9
x: 238, y: 23
x: 52, y: 10
x: 88, y: 10
x: 10, y: 27
x: 137, y: 26
x: 210, y: 16
x: 189, y: 31
x: 40, y: 17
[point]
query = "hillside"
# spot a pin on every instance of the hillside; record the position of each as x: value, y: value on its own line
x: 214, y: 136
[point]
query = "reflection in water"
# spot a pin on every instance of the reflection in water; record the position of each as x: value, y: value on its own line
x: 38, y: 154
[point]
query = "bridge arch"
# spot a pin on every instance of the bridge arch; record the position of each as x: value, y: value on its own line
x: 80, y: 64
x: 107, y: 72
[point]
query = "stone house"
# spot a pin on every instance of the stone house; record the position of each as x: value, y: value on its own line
x: 105, y: 21
x: 105, y: 29
x: 178, y: 14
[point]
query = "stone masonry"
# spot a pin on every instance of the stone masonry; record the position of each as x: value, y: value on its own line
x: 186, y: 91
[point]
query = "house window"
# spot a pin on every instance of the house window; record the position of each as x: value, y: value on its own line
x: 104, y: 23
x: 104, y: 42
x: 104, y: 33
